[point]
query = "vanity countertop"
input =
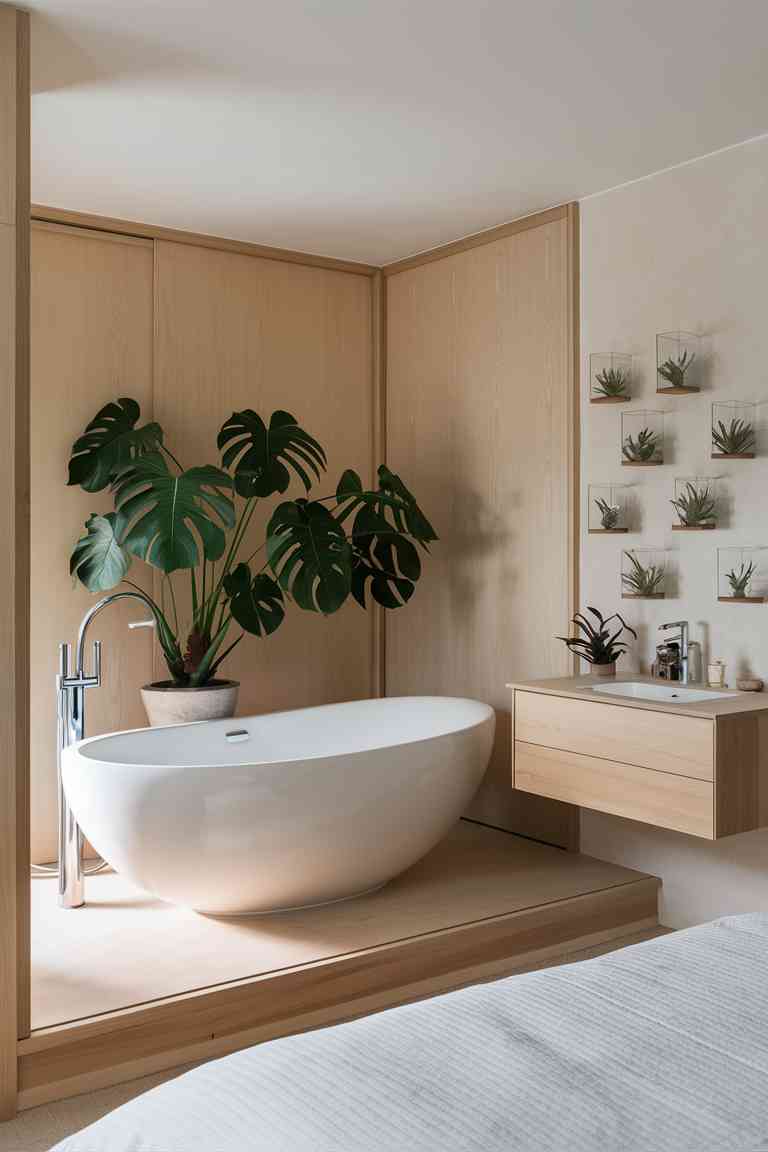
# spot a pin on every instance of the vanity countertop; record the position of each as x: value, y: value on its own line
x: 729, y: 702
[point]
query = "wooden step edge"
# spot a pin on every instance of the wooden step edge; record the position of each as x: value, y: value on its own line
x: 69, y: 1061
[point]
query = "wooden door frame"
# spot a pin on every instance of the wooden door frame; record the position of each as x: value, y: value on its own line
x: 14, y: 517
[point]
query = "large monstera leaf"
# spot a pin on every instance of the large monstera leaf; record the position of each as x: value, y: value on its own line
x: 309, y: 555
x: 386, y: 521
x: 265, y: 456
x: 256, y: 602
x: 392, y: 501
x: 384, y: 561
x: 109, y: 444
x: 170, y: 515
x: 99, y: 560
x: 408, y: 517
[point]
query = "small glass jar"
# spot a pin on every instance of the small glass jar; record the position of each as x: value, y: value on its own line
x: 678, y: 363
x: 608, y: 507
x: 644, y: 574
x: 734, y: 430
x: 642, y: 439
x: 610, y: 378
x: 742, y: 575
x: 696, y: 504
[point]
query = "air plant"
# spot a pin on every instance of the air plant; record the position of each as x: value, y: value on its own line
x: 609, y: 513
x: 695, y: 506
x: 646, y: 447
x: 598, y: 644
x: 611, y: 382
x: 737, y: 439
x: 641, y: 580
x: 674, y: 370
x: 739, y: 581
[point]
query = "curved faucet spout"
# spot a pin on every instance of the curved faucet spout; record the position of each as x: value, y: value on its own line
x: 94, y: 611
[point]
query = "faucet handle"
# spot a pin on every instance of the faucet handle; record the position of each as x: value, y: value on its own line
x: 151, y: 623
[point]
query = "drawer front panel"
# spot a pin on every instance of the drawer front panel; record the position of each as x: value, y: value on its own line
x: 661, y: 798
x: 683, y: 745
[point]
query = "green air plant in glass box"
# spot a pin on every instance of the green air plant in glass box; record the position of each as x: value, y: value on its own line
x: 607, y: 508
x: 742, y: 575
x: 610, y: 378
x: 643, y: 574
x: 696, y: 504
x: 677, y: 363
x: 733, y: 430
x: 642, y: 439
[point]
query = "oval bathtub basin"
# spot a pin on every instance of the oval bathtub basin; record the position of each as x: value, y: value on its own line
x: 264, y: 813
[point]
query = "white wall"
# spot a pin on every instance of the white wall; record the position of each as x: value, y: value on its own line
x: 686, y: 249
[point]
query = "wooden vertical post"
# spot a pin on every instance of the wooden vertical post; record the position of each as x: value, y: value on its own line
x: 379, y: 349
x: 14, y: 557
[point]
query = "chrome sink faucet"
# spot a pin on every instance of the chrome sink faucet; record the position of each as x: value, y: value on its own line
x: 70, y: 717
x: 682, y: 636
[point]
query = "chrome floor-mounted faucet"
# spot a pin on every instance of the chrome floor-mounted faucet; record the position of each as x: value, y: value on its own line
x: 682, y: 637
x: 70, y: 723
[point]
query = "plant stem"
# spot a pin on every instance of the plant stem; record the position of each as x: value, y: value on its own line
x: 240, y: 530
x: 171, y: 456
x: 167, y: 579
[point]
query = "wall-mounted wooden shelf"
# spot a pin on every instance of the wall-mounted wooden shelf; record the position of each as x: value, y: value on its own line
x: 641, y: 463
x: 733, y: 456
x: 741, y: 599
x: 637, y: 596
x: 685, y: 391
x: 606, y: 531
x: 610, y: 399
x: 693, y: 527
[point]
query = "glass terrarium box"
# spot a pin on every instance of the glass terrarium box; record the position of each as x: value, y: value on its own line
x: 644, y: 573
x: 642, y: 439
x: 610, y: 378
x: 734, y: 430
x: 678, y: 363
x: 696, y: 504
x: 742, y: 575
x: 608, y: 508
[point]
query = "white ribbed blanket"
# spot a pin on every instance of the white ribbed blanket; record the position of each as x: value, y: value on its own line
x: 661, y: 1047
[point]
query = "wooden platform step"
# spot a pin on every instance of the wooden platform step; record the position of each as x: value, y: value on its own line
x: 482, y: 904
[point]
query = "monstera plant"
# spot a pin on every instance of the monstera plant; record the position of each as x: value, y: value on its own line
x: 191, y: 525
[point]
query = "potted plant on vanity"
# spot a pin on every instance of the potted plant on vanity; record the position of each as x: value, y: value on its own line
x: 192, y: 523
x: 597, y: 643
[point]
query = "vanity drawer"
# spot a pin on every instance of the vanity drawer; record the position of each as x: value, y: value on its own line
x: 666, y: 799
x: 681, y: 745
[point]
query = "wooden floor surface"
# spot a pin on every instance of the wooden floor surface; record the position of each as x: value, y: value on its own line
x: 127, y: 948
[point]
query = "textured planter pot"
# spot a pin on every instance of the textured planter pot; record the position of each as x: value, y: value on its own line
x: 164, y: 703
x: 604, y: 669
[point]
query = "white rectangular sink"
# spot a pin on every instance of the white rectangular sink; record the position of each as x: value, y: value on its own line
x: 672, y: 693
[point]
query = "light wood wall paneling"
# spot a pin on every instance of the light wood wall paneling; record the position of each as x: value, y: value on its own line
x: 481, y: 401
x: 14, y: 527
x: 235, y: 332
x: 91, y: 342
x: 64, y: 216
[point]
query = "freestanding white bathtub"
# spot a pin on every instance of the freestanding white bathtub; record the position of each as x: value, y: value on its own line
x: 281, y: 811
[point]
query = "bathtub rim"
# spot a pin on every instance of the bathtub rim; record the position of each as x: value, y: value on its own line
x: 75, y: 751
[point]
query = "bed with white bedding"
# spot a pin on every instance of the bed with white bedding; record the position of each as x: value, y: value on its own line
x: 660, y: 1046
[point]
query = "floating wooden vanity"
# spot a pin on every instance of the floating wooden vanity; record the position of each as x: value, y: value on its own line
x: 699, y: 767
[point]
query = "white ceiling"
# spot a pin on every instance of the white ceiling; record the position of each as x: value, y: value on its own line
x: 371, y: 129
